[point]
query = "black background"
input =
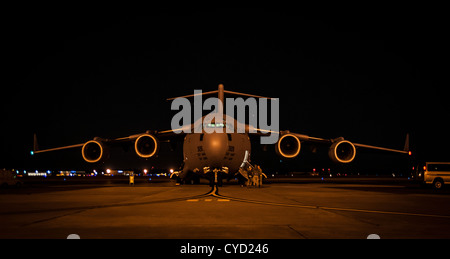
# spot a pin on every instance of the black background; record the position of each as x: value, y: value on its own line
x: 72, y: 77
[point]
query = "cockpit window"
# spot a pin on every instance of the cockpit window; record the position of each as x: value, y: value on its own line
x: 215, y: 125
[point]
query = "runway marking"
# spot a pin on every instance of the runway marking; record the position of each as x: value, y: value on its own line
x: 215, y: 192
x: 387, y: 212
x: 207, y: 200
x: 52, y: 218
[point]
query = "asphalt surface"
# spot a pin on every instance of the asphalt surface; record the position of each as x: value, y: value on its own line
x: 276, y: 211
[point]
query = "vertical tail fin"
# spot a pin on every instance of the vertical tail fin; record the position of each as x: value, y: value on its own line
x: 406, y: 148
x: 35, y: 144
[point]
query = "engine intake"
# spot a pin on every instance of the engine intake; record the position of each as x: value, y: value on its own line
x: 94, y: 151
x: 288, y: 146
x: 343, y: 152
x: 146, y: 146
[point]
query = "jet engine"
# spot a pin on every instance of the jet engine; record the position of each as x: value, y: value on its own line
x: 146, y: 146
x: 288, y: 146
x: 342, y: 151
x: 94, y: 151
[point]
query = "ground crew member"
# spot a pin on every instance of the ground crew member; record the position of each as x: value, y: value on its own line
x: 255, y: 180
x: 244, y: 179
x: 132, y: 179
x: 256, y: 175
x: 263, y: 175
x: 250, y: 176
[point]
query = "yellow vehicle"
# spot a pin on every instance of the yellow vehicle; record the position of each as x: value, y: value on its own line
x: 437, y: 174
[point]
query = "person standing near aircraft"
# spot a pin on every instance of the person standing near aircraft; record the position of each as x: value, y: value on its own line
x: 131, y: 179
x: 243, y: 177
x: 257, y: 176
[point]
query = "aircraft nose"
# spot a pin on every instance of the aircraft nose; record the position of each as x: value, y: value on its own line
x: 215, y: 146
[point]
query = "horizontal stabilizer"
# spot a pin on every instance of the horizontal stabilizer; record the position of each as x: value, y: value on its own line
x: 193, y: 95
x: 247, y: 95
x: 220, y: 92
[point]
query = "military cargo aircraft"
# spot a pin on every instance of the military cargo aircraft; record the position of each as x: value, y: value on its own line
x: 217, y: 155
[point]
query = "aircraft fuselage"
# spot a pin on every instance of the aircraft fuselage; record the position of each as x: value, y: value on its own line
x: 215, y: 150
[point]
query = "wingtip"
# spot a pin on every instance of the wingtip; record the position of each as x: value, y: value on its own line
x: 35, y: 144
x: 406, y: 148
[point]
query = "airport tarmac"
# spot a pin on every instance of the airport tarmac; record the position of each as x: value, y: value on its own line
x: 276, y: 211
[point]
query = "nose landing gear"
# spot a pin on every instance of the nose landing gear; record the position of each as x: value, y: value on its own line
x: 215, y: 175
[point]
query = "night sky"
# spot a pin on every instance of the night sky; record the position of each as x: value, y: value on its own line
x: 70, y: 78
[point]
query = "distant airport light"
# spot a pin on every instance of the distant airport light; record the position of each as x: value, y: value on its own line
x: 32, y: 153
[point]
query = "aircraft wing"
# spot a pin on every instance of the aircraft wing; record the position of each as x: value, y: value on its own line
x: 146, y: 145
x: 341, y: 150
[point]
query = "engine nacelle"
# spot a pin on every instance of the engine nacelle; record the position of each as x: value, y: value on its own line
x: 342, y: 151
x: 288, y: 146
x: 146, y: 146
x: 94, y: 151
